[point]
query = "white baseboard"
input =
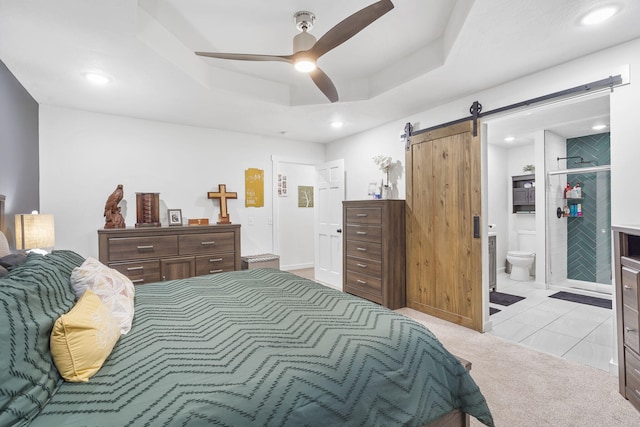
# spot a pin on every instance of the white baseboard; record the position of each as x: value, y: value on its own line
x: 296, y: 266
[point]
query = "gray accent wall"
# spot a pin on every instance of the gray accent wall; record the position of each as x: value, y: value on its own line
x: 19, y: 157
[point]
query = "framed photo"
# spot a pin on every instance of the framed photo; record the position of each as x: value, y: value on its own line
x: 175, y: 216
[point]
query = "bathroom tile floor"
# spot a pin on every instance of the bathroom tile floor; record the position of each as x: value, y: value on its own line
x: 578, y: 332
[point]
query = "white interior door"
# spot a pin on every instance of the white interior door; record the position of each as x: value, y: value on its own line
x: 328, y: 222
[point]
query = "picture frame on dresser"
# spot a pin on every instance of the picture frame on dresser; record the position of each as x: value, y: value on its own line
x: 175, y: 216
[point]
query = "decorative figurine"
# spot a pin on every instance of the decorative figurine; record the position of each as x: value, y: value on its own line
x: 223, y: 216
x: 113, y: 217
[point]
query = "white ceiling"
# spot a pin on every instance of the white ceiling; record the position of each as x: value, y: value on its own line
x: 421, y: 54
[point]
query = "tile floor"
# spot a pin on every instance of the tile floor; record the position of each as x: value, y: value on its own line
x: 578, y: 332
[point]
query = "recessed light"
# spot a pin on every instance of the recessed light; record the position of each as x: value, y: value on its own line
x: 97, y: 78
x: 337, y: 124
x: 599, y: 15
x: 510, y: 139
x: 599, y: 127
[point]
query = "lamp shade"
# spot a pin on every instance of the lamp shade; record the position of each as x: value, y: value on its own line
x: 34, y: 231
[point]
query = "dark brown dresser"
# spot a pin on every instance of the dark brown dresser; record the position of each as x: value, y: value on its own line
x: 152, y: 254
x: 374, y: 251
x: 627, y: 273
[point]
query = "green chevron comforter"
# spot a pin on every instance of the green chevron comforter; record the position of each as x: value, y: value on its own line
x: 266, y: 348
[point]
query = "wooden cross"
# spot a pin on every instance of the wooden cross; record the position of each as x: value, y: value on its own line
x: 223, y: 216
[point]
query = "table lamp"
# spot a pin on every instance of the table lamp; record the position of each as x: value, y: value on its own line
x: 35, y: 231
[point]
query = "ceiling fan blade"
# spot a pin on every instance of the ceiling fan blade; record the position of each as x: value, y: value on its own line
x: 247, y: 56
x: 349, y: 27
x: 325, y: 84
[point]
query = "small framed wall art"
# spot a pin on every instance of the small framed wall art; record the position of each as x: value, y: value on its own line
x: 175, y: 216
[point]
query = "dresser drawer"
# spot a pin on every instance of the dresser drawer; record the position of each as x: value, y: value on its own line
x: 364, y: 233
x: 139, y: 272
x: 364, y: 250
x: 630, y: 329
x: 370, y: 268
x: 206, y: 243
x: 127, y: 248
x: 372, y: 215
x: 632, y: 378
x: 364, y: 282
x: 630, y: 287
x: 209, y: 264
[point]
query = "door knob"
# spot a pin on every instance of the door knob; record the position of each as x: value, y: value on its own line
x: 339, y: 230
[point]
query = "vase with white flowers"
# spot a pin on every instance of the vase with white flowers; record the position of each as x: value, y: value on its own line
x: 384, y: 163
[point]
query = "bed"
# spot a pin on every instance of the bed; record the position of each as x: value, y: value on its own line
x: 257, y: 347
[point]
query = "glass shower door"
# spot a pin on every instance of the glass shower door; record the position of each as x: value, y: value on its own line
x: 579, y: 229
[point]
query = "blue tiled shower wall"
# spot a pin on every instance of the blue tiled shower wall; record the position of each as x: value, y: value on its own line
x: 589, y: 236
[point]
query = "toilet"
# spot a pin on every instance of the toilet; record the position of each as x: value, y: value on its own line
x: 522, y: 259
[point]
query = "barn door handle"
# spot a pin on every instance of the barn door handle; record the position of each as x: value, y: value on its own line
x: 476, y: 227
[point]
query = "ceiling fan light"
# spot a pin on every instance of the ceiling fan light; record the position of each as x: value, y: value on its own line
x: 305, y: 65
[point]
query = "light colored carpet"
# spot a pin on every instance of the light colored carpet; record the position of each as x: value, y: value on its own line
x: 524, y: 387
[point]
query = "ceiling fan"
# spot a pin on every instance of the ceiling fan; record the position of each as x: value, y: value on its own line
x: 307, y: 50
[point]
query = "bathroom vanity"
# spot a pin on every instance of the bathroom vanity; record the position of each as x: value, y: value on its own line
x: 627, y: 274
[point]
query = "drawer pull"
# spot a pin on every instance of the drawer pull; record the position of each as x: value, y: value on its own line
x: 627, y: 287
x: 135, y: 268
x: 361, y: 232
x: 362, y: 249
x: 215, y: 260
x: 208, y: 243
x: 362, y: 265
x: 138, y: 281
x: 637, y: 370
x: 142, y: 247
x: 628, y: 329
x: 215, y: 271
x: 362, y: 282
x: 361, y: 214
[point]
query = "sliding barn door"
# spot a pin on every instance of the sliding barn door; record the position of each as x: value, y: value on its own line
x: 444, y: 259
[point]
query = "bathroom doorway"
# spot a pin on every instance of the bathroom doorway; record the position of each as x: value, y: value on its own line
x: 538, y: 137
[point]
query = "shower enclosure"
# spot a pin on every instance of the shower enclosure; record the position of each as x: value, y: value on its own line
x: 578, y: 216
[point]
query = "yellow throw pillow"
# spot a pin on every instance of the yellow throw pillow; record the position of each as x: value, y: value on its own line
x: 82, y: 339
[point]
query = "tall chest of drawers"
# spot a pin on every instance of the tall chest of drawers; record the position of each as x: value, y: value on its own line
x: 627, y: 274
x: 148, y: 255
x: 374, y: 251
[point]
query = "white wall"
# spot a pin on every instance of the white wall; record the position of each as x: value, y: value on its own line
x: 360, y: 169
x: 624, y: 147
x: 498, y: 208
x: 83, y: 156
x: 517, y: 158
x: 296, y: 225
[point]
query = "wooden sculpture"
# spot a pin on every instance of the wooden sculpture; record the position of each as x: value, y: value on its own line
x: 113, y: 217
x: 223, y: 195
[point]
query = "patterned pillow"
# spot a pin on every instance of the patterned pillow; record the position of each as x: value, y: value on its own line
x: 32, y: 297
x: 83, y: 338
x: 4, y: 245
x: 114, y: 289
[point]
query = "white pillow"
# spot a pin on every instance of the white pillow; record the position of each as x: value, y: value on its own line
x: 113, y: 288
x: 4, y: 245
